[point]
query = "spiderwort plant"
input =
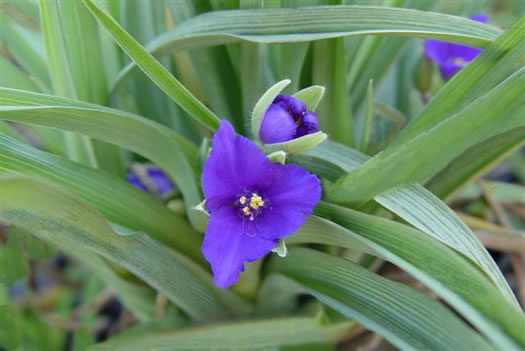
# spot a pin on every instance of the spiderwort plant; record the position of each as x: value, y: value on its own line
x: 451, y: 57
x: 252, y: 203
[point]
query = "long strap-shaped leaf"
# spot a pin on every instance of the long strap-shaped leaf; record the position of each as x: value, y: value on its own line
x: 474, y: 162
x: 443, y: 270
x: 414, y: 204
x: 314, y: 23
x: 427, y: 153
x: 161, y: 145
x: 112, y: 196
x: 248, y: 336
x: 439, y: 135
x: 154, y: 69
x: 406, y: 317
x: 64, y: 221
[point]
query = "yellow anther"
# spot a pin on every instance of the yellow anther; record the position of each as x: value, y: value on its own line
x: 242, y: 200
x: 256, y: 201
x: 246, y: 211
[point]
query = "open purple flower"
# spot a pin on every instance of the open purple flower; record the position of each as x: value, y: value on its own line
x: 161, y: 184
x: 252, y: 203
x: 452, y: 57
x: 287, y: 119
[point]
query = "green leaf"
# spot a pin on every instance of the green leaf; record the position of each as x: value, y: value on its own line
x: 365, y: 133
x: 113, y: 197
x: 161, y: 145
x: 25, y: 52
x: 154, y: 69
x: 407, y: 318
x: 66, y: 222
x: 251, y: 335
x: 443, y: 270
x: 313, y: 23
x: 59, y: 63
x: 12, y: 255
x: 414, y: 204
x: 407, y: 162
x: 477, y: 78
x: 334, y: 111
x: 474, y: 162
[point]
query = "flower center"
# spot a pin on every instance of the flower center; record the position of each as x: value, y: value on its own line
x: 250, y: 205
x: 459, y: 61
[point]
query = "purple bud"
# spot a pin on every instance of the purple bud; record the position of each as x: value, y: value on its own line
x: 308, y: 125
x: 295, y: 106
x: 277, y: 125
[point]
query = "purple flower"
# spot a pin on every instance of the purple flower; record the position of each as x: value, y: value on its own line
x: 252, y: 203
x: 452, y: 57
x: 160, y: 182
x: 287, y: 119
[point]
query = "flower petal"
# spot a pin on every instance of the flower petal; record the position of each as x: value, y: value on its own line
x: 292, y: 197
x: 135, y: 181
x: 308, y: 125
x: 294, y: 105
x: 228, y: 243
x: 234, y: 165
x: 163, y: 184
x: 277, y: 125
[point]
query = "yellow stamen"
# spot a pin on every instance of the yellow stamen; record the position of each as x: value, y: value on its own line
x: 256, y: 201
x: 242, y: 200
x: 246, y: 211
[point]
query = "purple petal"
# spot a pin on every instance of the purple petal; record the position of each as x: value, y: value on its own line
x: 135, y: 181
x: 234, y: 165
x: 308, y: 125
x: 480, y: 17
x: 436, y: 50
x: 292, y: 197
x: 228, y: 243
x: 162, y: 183
x: 294, y: 105
x: 277, y: 125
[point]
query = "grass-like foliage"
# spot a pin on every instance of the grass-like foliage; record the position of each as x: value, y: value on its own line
x: 127, y: 128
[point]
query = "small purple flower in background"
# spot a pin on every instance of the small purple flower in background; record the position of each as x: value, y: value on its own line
x: 452, y: 57
x: 252, y: 203
x: 161, y: 184
x: 287, y: 119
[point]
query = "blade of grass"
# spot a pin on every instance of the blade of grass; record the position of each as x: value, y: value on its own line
x: 249, y: 335
x: 365, y: 132
x: 474, y: 162
x: 477, y: 122
x: 154, y: 69
x: 414, y: 204
x: 407, y: 318
x: 313, y: 23
x: 113, y: 197
x: 66, y: 222
x: 334, y: 110
x: 167, y: 149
